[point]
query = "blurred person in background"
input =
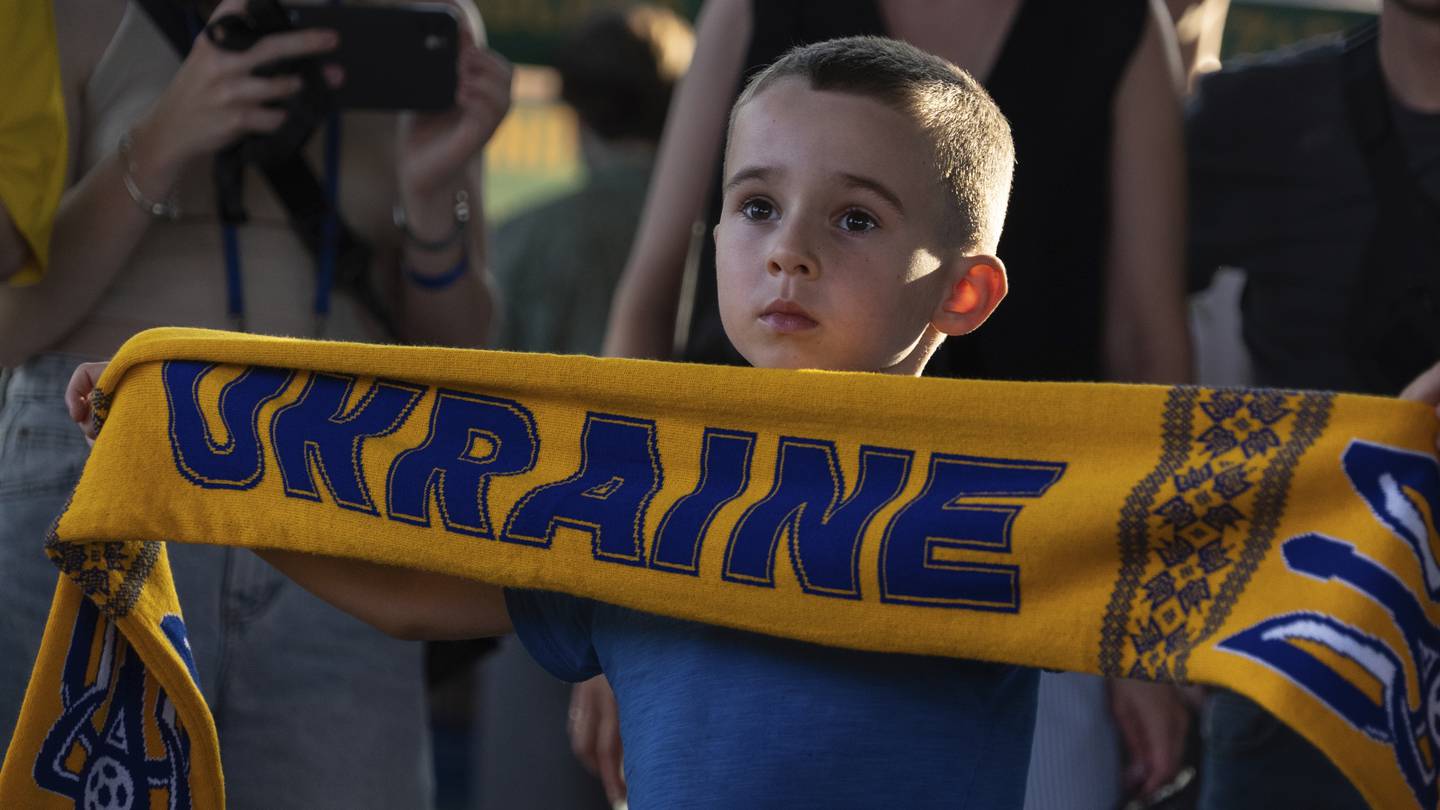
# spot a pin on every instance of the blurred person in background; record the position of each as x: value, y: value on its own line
x: 1094, y: 244
x: 557, y: 266
x: 1316, y: 170
x: 138, y: 242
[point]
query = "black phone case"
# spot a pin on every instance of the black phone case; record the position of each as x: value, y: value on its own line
x: 394, y: 58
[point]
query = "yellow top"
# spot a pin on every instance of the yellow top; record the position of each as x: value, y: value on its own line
x: 32, y: 127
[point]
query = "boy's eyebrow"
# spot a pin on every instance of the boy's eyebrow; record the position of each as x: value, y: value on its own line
x: 748, y: 173
x: 876, y: 186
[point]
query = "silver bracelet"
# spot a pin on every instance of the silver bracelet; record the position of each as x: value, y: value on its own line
x: 159, y: 210
x: 462, y: 218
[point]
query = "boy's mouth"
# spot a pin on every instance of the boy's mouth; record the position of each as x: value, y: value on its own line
x: 787, y: 317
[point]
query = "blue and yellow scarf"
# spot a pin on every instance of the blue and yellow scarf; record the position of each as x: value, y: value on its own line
x: 1278, y: 543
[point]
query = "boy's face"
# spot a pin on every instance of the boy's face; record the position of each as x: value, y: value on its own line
x: 828, y: 249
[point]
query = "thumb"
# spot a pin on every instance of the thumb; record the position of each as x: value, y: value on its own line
x: 227, y: 7
x: 1137, y: 750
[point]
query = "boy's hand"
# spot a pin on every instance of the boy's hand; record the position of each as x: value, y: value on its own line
x: 595, y: 734
x: 1426, y: 389
x: 1153, y: 723
x: 77, y: 396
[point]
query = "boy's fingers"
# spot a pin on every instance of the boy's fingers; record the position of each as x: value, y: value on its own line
x: 1425, y: 388
x: 1153, y: 722
x: 1134, y: 739
x: 77, y: 396
x: 595, y: 734
x: 582, y: 728
x: 77, y: 391
x: 609, y: 754
x: 77, y: 406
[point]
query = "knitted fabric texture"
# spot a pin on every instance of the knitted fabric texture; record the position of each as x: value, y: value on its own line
x: 1278, y: 543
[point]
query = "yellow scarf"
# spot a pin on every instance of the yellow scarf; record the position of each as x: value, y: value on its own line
x: 1276, y: 543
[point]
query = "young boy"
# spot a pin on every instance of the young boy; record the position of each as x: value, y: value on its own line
x: 865, y: 184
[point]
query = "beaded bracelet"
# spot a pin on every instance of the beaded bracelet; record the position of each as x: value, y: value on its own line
x: 441, y: 281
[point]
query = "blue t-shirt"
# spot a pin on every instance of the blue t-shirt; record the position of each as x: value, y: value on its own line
x: 713, y: 717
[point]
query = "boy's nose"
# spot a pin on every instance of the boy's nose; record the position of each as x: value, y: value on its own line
x: 787, y: 258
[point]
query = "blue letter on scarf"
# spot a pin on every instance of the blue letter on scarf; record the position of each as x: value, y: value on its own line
x: 724, y: 473
x: 606, y: 498
x: 238, y: 462
x: 804, y: 502
x: 317, y: 429
x: 918, y: 560
x: 472, y: 438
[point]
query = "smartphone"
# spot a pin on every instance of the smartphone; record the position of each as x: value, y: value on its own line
x: 394, y: 57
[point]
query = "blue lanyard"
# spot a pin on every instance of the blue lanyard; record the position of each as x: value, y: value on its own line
x: 329, y: 235
x: 329, y: 244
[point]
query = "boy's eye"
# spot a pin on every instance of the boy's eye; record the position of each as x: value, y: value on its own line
x: 757, y: 209
x: 858, y: 221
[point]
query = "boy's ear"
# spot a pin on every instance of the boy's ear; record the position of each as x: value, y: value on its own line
x: 977, y: 285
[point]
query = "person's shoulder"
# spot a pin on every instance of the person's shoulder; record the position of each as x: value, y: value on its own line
x: 1271, y: 82
x: 1259, y: 108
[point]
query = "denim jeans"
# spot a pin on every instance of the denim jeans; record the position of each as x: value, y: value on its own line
x: 41, y: 455
x: 313, y: 708
x: 1252, y: 760
x: 1076, y: 760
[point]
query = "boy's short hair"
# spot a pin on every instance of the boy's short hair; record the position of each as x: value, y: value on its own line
x: 974, y: 154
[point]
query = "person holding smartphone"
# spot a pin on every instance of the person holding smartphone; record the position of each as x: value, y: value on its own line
x: 142, y: 240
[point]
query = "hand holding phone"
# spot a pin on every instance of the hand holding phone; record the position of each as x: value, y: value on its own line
x: 393, y: 57
x: 217, y: 98
x: 435, y: 149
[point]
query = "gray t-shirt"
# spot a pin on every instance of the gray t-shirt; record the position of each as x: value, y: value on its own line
x: 1280, y: 188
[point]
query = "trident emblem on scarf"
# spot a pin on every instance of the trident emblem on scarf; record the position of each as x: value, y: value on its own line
x: 1402, y: 489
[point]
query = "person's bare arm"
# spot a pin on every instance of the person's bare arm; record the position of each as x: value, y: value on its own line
x: 434, y: 152
x: 1146, y: 336
x: 212, y: 100
x: 642, y: 315
x: 1145, y: 333
x: 13, y: 249
x: 400, y: 602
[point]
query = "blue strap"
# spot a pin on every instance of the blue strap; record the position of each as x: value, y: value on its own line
x: 441, y: 281
x: 329, y: 247
x: 329, y: 238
